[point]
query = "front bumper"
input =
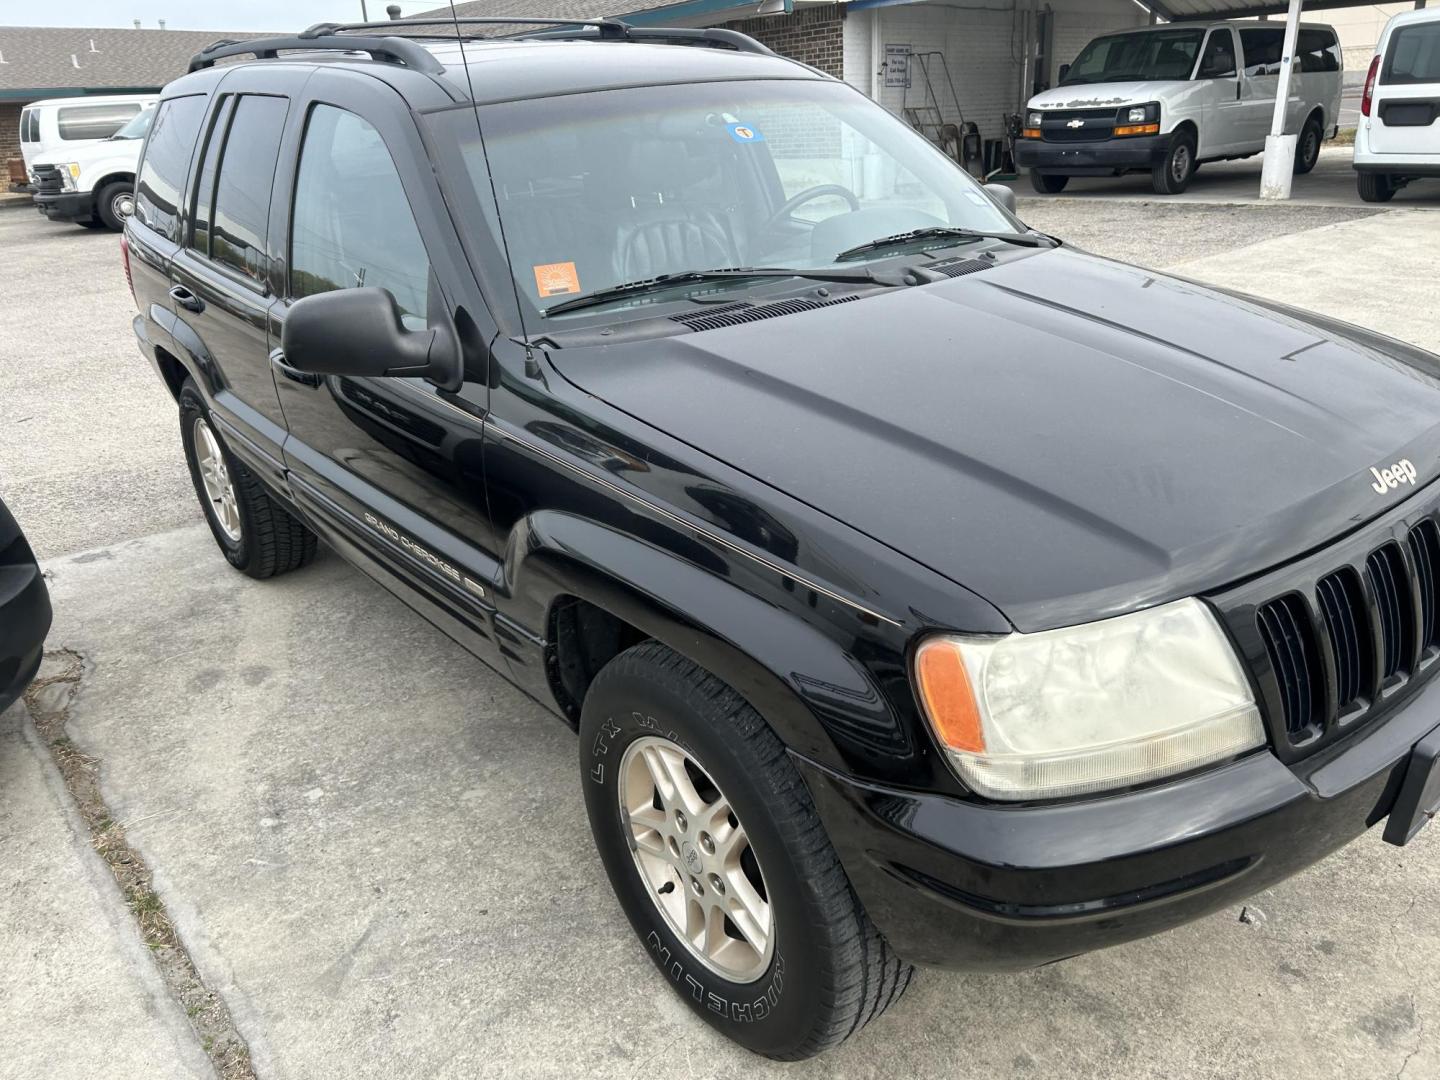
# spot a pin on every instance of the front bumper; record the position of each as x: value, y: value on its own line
x: 986, y: 887
x: 1101, y: 158
x: 66, y: 205
x: 24, y: 611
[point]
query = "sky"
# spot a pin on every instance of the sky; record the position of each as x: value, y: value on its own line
x: 276, y: 15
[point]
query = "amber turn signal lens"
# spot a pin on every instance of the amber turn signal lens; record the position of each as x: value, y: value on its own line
x: 1030, y: 133
x: 1138, y: 129
x: 947, y: 696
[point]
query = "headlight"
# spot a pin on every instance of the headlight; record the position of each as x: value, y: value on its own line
x: 1035, y: 119
x: 69, y: 174
x: 1142, y: 114
x: 1085, y: 708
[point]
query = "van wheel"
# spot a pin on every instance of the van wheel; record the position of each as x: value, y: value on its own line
x: 1048, y: 183
x: 1173, y: 175
x: 258, y: 536
x: 1307, y: 150
x: 114, y: 203
x: 720, y: 862
x: 1375, y: 187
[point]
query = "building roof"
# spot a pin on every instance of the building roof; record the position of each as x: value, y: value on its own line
x: 52, y: 59
x: 545, y: 9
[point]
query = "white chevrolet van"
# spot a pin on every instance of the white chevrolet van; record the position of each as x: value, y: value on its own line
x: 1164, y: 99
x: 1398, y: 139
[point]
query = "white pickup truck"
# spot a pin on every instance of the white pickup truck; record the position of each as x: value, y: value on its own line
x: 93, y: 184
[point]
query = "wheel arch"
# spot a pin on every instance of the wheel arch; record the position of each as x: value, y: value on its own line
x: 802, y: 682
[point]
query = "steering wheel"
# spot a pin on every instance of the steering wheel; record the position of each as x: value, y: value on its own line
x: 819, y: 191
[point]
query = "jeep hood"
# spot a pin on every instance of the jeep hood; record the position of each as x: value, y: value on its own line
x: 1067, y: 436
x: 1104, y: 95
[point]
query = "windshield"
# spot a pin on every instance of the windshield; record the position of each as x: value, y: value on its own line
x: 1149, y: 54
x: 137, y: 126
x: 612, y: 187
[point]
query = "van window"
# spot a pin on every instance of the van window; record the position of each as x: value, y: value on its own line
x: 1218, y: 60
x: 1319, y: 51
x: 1144, y: 54
x: 352, y: 224
x: 167, y: 159
x: 1262, y: 48
x: 93, y: 121
x: 1413, y: 55
x: 29, y: 126
x: 242, y: 188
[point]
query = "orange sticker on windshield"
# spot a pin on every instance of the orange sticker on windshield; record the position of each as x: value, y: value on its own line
x: 555, y: 279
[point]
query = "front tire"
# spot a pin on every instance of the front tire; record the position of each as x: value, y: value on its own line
x: 1173, y: 175
x: 1375, y: 187
x: 114, y: 203
x: 1048, y: 183
x: 740, y: 900
x: 257, y: 535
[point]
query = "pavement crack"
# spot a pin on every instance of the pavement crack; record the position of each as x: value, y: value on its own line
x: 49, y: 698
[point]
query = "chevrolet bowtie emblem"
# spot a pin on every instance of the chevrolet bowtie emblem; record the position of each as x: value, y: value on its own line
x: 1076, y: 123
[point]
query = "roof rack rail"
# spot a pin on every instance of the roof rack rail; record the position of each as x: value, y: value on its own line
x: 397, y: 50
x: 569, y: 30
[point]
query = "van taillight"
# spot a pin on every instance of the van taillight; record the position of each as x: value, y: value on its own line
x: 125, y: 258
x: 1369, y: 86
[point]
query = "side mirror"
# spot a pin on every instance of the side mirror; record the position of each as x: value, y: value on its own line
x: 359, y: 332
x: 1001, y: 194
x: 1064, y: 70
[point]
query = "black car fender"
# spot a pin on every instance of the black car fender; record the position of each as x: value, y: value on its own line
x: 821, y: 701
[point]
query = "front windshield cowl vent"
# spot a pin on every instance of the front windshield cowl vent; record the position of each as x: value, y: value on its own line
x: 743, y: 313
x: 959, y: 267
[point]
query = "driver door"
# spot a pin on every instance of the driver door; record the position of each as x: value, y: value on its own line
x: 1222, y: 115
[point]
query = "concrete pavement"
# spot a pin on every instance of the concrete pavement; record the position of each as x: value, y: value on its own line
x: 78, y: 996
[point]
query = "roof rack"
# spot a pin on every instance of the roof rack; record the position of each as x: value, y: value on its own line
x: 395, y: 50
x: 407, y: 50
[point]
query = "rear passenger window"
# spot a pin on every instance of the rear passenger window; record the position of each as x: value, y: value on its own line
x: 242, y: 185
x: 1319, y: 51
x: 167, y: 159
x: 352, y: 224
x: 205, y: 182
x: 1262, y: 49
x: 1413, y: 55
x: 93, y: 121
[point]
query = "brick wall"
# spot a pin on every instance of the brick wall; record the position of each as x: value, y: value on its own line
x: 812, y: 35
x: 9, y: 131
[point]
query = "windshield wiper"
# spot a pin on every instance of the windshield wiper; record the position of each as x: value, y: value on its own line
x: 667, y: 281
x: 942, y: 232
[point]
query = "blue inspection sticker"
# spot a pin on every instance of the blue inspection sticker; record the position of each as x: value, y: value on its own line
x: 744, y: 133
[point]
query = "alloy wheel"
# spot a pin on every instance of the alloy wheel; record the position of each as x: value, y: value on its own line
x: 695, y: 860
x: 215, y: 477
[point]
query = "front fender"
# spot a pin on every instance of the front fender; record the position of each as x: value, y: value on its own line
x: 818, y: 698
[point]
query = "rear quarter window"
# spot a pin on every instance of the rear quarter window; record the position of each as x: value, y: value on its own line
x: 1413, y: 55
x: 93, y: 121
x: 1319, y: 51
x: 166, y: 161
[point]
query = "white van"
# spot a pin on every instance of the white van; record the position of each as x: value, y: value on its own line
x: 1164, y: 99
x: 1398, y: 139
x: 94, y: 184
x: 49, y: 128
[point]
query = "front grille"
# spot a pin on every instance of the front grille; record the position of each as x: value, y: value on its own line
x: 1093, y: 124
x: 47, y: 179
x: 1342, y: 635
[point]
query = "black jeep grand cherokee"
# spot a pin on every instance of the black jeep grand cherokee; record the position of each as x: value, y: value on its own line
x: 924, y: 592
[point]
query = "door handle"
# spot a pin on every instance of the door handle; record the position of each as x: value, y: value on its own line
x: 186, y: 299
x: 305, y: 378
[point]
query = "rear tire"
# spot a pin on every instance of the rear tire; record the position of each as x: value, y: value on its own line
x: 1375, y: 187
x: 257, y: 535
x: 1048, y: 183
x: 1307, y: 147
x: 114, y: 202
x: 826, y: 971
x: 1173, y: 175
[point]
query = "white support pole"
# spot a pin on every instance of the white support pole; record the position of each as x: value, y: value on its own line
x: 1279, y: 167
